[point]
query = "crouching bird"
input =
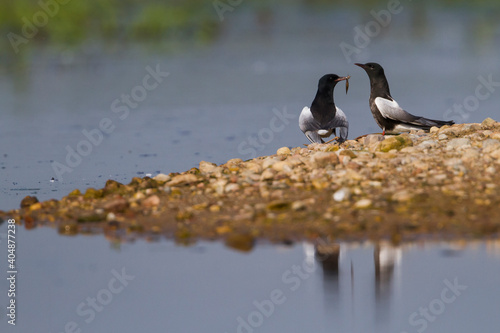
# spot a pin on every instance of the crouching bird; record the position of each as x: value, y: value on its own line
x: 388, y: 114
x: 323, y: 117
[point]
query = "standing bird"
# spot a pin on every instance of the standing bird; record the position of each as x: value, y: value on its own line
x: 386, y: 111
x: 323, y: 117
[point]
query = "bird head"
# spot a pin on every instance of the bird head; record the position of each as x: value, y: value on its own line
x: 372, y: 69
x: 329, y: 81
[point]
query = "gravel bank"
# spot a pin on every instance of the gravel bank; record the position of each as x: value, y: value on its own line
x: 445, y: 184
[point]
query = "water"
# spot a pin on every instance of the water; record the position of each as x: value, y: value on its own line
x: 211, y: 288
x: 218, y: 97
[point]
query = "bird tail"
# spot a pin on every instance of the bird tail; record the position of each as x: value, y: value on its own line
x: 426, y: 122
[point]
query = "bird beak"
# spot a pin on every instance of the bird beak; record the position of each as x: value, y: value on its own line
x: 360, y: 65
x: 343, y: 78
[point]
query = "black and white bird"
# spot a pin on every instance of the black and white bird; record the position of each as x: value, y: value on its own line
x: 386, y: 111
x: 323, y: 117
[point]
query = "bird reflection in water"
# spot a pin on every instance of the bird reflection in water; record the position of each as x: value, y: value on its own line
x: 339, y: 262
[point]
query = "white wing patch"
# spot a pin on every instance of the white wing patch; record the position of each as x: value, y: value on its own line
x: 340, y: 114
x: 304, y: 118
x: 389, y: 109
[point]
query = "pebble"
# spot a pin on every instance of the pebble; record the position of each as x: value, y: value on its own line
x: 457, y: 143
x: 269, y: 161
x: 395, y: 142
x: 162, y: 177
x: 342, y: 194
x: 268, y: 174
x: 363, y: 204
x: 207, y: 167
x: 182, y: 179
x: 428, y: 144
x: 299, y: 205
x: 282, y: 166
x: 488, y: 122
x: 232, y: 187
x: 372, y: 139
x: 323, y: 159
x: 284, y: 151
x: 118, y: 204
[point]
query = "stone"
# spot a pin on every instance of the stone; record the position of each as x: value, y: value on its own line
x: 232, y: 187
x: 269, y: 161
x: 490, y: 145
x: 282, y: 166
x: 299, y: 205
x: 363, y: 204
x: 284, y: 151
x: 346, y: 152
x: 161, y: 177
x: 28, y: 201
x: 268, y: 174
x: 428, y: 144
x: 457, y: 143
x: 36, y: 206
x: 372, y: 139
x: 488, y: 123
x: 401, y: 196
x: 234, y: 161
x: 322, y: 159
x: 118, y: 204
x: 207, y: 167
x: 151, y: 201
x: 342, y: 194
x: 396, y: 142
x: 470, y: 155
x: 183, y: 180
x: 495, y: 154
x: 253, y: 167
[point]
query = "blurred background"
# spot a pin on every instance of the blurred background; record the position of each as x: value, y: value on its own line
x: 239, y: 73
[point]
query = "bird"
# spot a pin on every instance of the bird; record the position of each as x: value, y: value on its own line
x: 323, y: 117
x: 390, y: 117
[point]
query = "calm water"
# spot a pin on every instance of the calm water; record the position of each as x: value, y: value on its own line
x: 96, y: 286
x: 219, y: 100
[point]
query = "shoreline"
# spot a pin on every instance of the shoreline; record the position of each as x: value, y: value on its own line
x: 441, y: 184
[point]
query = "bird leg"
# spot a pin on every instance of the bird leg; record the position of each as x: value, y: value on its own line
x: 335, y: 138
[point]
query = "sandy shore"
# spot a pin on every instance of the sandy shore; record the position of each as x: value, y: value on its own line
x: 442, y: 184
